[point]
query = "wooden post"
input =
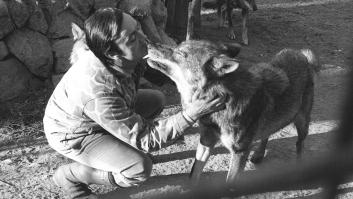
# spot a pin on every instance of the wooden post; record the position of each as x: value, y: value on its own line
x: 171, y: 5
x: 193, y: 18
x: 177, y: 17
x: 198, y: 21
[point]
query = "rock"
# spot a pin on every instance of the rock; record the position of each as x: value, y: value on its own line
x: 6, y: 24
x: 81, y: 8
x: 130, y: 6
x: 46, y: 7
x: 61, y: 24
x: 3, y: 50
x: 159, y: 13
x: 15, y: 79
x: 19, y: 12
x: 37, y: 21
x: 154, y: 24
x: 33, y: 49
x: 55, y: 78
x: 105, y: 3
x: 62, y: 50
x: 165, y: 38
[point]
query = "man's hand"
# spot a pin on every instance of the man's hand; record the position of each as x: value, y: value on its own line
x: 200, y: 106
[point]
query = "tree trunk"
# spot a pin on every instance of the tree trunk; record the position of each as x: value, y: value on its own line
x: 193, y: 19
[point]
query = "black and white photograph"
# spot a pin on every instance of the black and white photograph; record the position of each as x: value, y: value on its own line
x: 176, y: 99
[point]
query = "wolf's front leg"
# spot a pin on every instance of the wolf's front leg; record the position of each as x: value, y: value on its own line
x: 202, y: 155
x: 208, y: 139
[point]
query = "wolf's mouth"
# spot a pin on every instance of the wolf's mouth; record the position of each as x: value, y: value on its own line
x: 156, y: 65
x: 155, y: 60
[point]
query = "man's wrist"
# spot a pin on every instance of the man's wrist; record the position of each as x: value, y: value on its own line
x: 188, y: 118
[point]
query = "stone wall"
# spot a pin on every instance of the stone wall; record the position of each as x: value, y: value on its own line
x: 36, y: 38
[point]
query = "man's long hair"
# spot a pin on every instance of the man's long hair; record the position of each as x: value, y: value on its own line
x: 101, y: 30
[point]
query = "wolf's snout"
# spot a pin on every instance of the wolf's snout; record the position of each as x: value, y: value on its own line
x: 158, y: 51
x: 154, y: 45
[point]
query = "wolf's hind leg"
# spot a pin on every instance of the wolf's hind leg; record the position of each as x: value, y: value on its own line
x: 259, y: 153
x: 302, y: 120
x: 208, y: 139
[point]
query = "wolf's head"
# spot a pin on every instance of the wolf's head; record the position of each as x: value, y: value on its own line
x: 192, y: 63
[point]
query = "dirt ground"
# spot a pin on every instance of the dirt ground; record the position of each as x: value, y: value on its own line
x: 27, y: 162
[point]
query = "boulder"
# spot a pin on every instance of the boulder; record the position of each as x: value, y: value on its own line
x: 159, y: 13
x: 105, y: 3
x: 47, y: 8
x: 3, y: 50
x: 153, y: 25
x: 6, y: 24
x: 33, y: 49
x: 62, y: 50
x: 55, y: 79
x: 81, y: 8
x: 61, y: 24
x: 37, y: 21
x: 165, y: 38
x: 131, y: 6
x: 19, y: 12
x: 15, y: 79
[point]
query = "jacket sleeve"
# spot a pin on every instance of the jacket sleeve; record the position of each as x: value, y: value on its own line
x: 113, y: 114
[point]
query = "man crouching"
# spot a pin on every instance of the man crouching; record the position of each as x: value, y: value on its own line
x: 97, y: 117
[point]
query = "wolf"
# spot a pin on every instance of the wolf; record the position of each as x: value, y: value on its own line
x: 260, y: 98
x: 224, y: 11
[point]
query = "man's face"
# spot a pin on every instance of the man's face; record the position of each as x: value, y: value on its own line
x: 132, y: 42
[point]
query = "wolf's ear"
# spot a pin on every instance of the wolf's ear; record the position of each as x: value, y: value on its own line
x: 231, y: 49
x: 77, y: 32
x: 223, y: 65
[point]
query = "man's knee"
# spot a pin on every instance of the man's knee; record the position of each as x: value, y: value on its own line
x: 136, y: 174
x: 160, y: 102
x: 161, y: 98
x: 150, y: 103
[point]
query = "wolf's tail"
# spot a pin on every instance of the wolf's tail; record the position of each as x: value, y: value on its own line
x: 312, y: 59
x: 210, y: 4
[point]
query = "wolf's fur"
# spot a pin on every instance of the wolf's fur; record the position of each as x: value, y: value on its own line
x: 224, y: 12
x: 260, y: 99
